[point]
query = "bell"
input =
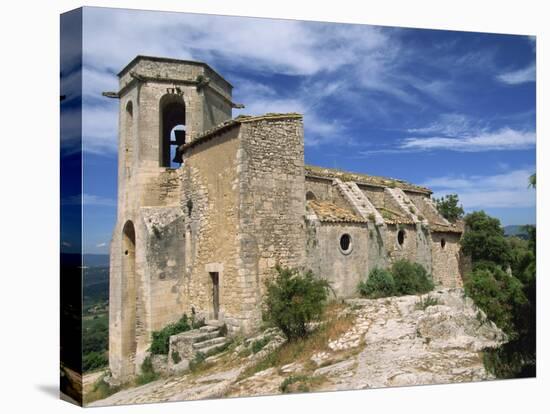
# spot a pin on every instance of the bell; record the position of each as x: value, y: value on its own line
x: 179, y: 141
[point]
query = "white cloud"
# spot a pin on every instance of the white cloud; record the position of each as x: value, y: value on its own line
x: 451, y: 124
x: 99, y: 245
x: 507, y: 190
x: 114, y: 37
x: 519, y: 76
x: 99, y: 128
x: 260, y: 99
x: 369, y: 62
x: 501, y: 140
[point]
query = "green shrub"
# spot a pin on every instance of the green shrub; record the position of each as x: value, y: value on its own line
x: 176, y: 358
x: 148, y: 373
x: 498, y: 294
x: 293, y: 300
x: 161, y: 339
x: 299, y: 383
x: 410, y: 278
x: 379, y: 284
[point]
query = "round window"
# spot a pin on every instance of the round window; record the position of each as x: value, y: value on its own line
x: 401, y: 237
x: 345, y: 243
x: 443, y: 243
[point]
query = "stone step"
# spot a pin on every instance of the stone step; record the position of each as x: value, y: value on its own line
x: 208, y: 328
x: 214, y: 322
x: 196, y: 335
x: 210, y: 350
x: 209, y: 342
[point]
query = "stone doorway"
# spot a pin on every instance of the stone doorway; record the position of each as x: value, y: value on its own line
x: 215, y: 277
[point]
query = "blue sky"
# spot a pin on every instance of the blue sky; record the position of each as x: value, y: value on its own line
x: 454, y: 111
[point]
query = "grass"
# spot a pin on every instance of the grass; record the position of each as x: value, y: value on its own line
x: 148, y: 373
x: 100, y: 391
x: 301, y: 350
x: 300, y: 383
x: 259, y: 344
x: 422, y: 304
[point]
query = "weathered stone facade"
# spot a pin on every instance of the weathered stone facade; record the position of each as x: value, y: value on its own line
x: 203, y: 237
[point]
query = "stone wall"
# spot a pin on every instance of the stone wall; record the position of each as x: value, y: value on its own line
x: 272, y: 205
x: 344, y: 269
x: 446, y: 259
x: 210, y: 202
x: 321, y: 188
x: 212, y: 101
x: 375, y: 195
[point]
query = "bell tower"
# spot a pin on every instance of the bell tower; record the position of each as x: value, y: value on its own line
x: 163, y: 104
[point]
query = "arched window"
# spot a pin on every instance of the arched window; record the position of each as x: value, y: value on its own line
x: 401, y: 237
x: 128, y: 137
x: 310, y: 196
x: 172, y: 130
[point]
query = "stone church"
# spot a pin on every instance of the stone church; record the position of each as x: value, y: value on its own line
x: 208, y: 204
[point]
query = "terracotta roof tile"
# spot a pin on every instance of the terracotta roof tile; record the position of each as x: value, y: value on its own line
x: 314, y: 171
x: 329, y: 212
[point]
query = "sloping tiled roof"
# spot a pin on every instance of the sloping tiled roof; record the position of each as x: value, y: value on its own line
x: 314, y: 171
x: 457, y: 227
x: 329, y: 212
x: 394, y: 217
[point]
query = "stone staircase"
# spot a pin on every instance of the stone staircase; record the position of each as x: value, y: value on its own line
x: 206, y: 340
x: 359, y: 201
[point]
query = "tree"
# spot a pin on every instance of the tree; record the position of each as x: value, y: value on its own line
x: 293, y: 300
x: 449, y: 208
x: 533, y: 180
x: 484, y: 239
x: 509, y: 300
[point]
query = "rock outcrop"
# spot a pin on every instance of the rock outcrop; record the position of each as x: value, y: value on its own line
x: 436, y: 338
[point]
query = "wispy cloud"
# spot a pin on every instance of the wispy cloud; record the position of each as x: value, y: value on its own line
x: 450, y: 124
x: 504, y: 139
x: 100, y: 128
x: 516, y: 77
x: 372, y: 65
x: 100, y: 245
x: 507, y: 190
x: 261, y: 99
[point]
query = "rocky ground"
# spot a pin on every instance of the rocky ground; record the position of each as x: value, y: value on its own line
x: 408, y: 340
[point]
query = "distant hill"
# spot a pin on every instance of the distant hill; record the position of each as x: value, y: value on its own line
x: 96, y: 260
x: 89, y: 260
x: 517, y: 230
